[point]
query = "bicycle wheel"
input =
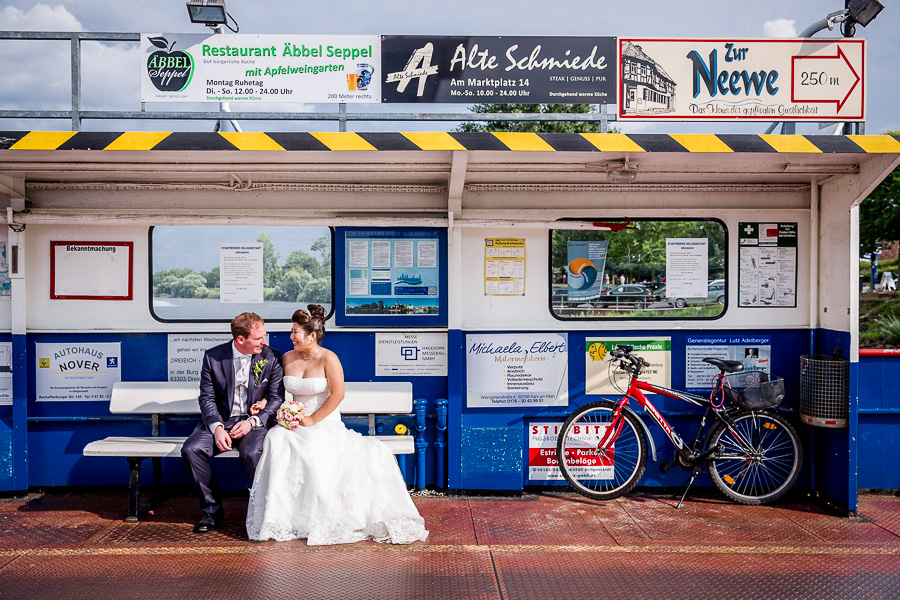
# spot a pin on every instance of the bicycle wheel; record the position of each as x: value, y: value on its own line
x: 762, y: 472
x: 601, y: 475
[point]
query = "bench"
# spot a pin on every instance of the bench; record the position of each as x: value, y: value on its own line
x: 156, y: 398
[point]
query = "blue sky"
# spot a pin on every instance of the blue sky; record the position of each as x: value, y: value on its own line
x: 36, y: 74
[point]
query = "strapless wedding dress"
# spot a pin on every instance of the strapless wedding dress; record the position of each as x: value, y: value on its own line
x: 328, y: 484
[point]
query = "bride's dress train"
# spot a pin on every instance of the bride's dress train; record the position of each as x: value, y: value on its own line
x: 329, y: 484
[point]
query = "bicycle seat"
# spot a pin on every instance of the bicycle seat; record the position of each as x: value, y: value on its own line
x: 726, y: 366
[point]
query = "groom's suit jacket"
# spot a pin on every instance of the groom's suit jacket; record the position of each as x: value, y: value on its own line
x: 217, y: 384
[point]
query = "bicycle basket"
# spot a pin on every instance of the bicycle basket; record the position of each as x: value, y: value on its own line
x: 766, y: 394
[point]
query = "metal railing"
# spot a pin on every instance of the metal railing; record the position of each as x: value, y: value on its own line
x: 342, y: 116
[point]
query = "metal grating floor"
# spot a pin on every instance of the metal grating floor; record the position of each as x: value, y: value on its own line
x: 556, y: 545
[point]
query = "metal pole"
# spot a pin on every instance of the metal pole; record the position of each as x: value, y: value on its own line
x: 76, y: 82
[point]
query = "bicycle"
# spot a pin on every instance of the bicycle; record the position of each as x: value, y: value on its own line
x: 753, y: 456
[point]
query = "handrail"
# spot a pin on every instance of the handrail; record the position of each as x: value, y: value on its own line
x: 77, y: 115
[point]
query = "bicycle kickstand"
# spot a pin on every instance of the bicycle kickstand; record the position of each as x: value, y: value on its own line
x: 687, y: 486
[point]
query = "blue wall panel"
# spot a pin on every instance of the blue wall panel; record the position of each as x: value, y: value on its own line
x: 58, y: 431
x: 879, y: 423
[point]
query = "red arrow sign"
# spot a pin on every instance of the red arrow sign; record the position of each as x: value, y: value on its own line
x: 822, y: 79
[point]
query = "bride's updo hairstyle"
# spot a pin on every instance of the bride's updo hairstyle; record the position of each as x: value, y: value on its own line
x: 312, y: 321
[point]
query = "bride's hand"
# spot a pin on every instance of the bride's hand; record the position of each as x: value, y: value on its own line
x: 307, y: 421
x: 257, y: 406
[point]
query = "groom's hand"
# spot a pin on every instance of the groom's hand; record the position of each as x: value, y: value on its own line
x: 223, y: 442
x: 241, y: 429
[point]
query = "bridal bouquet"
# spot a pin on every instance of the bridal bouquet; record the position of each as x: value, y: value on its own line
x: 289, y: 415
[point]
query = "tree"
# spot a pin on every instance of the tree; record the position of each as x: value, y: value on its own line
x: 298, y: 260
x: 271, y: 273
x: 533, y: 126
x: 879, y: 214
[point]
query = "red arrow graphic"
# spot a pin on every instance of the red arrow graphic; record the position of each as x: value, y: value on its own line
x: 819, y: 77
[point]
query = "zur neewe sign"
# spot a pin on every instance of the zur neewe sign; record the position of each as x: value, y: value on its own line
x: 728, y: 79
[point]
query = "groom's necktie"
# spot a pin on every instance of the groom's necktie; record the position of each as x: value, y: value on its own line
x: 241, y: 378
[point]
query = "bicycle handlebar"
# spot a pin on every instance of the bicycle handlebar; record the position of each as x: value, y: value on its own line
x: 624, y: 353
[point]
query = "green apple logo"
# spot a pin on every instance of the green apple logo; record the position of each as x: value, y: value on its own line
x: 169, y: 71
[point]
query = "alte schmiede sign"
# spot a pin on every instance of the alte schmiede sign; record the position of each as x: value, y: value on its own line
x: 259, y: 68
x: 728, y: 79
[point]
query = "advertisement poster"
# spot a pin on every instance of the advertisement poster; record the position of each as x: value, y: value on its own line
x: 504, y: 267
x: 601, y: 379
x: 767, y: 265
x: 77, y: 371
x: 5, y: 285
x: 517, y: 369
x: 687, y: 267
x: 542, y: 461
x: 512, y: 69
x: 241, y: 273
x: 755, y: 352
x: 411, y: 354
x: 179, y: 67
x: 391, y: 272
x: 584, y: 273
x: 742, y: 79
x: 185, y: 354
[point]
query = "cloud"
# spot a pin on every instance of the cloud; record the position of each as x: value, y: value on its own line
x: 780, y: 28
x: 39, y: 17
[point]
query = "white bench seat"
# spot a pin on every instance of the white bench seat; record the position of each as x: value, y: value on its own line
x: 157, y: 398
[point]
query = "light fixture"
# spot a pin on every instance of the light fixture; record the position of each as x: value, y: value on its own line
x: 208, y: 12
x: 863, y: 11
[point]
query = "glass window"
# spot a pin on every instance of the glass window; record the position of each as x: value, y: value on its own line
x: 212, y: 273
x: 663, y: 269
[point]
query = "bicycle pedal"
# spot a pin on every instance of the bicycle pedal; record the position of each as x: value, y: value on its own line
x: 665, y: 466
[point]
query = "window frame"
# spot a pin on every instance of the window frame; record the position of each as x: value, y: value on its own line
x: 637, y: 317
x: 287, y: 319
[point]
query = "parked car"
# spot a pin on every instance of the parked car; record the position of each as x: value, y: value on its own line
x: 715, y: 294
x: 630, y: 293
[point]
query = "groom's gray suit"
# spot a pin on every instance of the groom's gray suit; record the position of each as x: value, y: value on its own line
x: 217, y: 386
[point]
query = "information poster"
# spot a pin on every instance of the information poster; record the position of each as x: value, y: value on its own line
x: 391, y: 272
x: 185, y: 352
x: 755, y: 352
x: 602, y: 378
x: 768, y: 265
x: 5, y: 285
x: 543, y: 464
x: 77, y: 371
x: 504, y: 267
x: 179, y: 67
x: 687, y: 267
x: 110, y: 265
x: 241, y: 273
x: 584, y: 271
x: 6, y: 391
x: 504, y: 370
x: 410, y: 354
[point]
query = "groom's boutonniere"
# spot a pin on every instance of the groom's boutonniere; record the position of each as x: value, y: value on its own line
x: 258, y: 366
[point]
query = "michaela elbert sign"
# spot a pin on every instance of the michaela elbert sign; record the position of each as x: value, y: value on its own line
x: 528, y: 70
x: 728, y: 79
x: 180, y: 67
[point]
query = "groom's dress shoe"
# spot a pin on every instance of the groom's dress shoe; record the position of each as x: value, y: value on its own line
x: 207, y: 524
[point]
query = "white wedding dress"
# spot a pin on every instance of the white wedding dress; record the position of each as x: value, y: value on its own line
x: 329, y: 484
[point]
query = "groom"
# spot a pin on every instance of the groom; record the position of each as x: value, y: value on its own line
x: 234, y: 376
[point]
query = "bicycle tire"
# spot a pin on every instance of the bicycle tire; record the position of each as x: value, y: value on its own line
x: 764, y: 474
x: 629, y: 452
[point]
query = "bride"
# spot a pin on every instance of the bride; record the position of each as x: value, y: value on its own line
x: 322, y: 481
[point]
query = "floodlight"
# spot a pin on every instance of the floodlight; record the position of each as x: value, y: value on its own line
x: 208, y: 12
x: 863, y: 11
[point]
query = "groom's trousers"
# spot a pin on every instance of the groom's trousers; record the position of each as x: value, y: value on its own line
x: 200, y: 447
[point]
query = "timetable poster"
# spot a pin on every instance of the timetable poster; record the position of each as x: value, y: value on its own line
x: 768, y: 265
x: 391, y: 273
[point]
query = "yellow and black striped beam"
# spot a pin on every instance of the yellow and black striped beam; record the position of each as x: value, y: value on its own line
x: 522, y: 142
